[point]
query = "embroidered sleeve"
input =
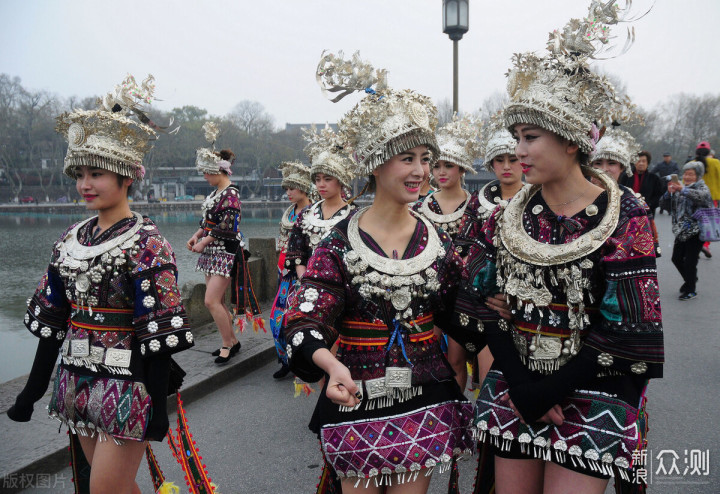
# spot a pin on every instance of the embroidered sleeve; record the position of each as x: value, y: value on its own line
x: 312, y: 310
x: 450, y: 273
x: 630, y: 336
x: 298, y: 247
x: 471, y: 223
x: 224, y: 223
x: 471, y: 317
x: 49, y: 309
x: 161, y: 324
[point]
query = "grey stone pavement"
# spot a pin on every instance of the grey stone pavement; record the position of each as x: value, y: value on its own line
x: 252, y: 433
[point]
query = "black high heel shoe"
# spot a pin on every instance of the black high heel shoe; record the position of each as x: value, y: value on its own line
x: 233, y: 350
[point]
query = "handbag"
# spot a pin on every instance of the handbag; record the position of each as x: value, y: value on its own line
x: 708, y: 220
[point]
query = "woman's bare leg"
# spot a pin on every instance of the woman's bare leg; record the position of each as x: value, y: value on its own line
x: 113, y: 467
x: 559, y: 480
x: 515, y: 476
x: 485, y: 360
x: 214, y: 292
x: 418, y: 486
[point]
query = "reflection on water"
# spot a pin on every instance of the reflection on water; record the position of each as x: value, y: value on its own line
x: 25, y: 244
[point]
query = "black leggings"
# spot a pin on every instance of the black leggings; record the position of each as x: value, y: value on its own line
x: 685, y: 258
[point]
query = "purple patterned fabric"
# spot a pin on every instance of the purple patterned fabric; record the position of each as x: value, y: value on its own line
x: 401, y: 444
x: 87, y: 404
x: 222, y: 222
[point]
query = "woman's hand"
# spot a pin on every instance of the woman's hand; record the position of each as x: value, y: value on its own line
x: 190, y: 243
x: 674, y: 187
x: 499, y: 304
x: 552, y: 416
x: 200, y: 245
x: 341, y: 389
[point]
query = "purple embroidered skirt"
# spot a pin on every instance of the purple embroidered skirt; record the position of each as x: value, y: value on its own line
x: 89, y: 405
x: 399, y: 445
x: 216, y: 263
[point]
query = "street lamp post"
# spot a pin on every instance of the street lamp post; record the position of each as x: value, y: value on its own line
x: 455, y: 24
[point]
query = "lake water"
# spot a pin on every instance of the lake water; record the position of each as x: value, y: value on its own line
x: 25, y: 244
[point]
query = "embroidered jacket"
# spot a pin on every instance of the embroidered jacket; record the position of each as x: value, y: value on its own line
x: 479, y: 208
x: 338, y: 299
x: 309, y: 228
x: 127, y: 309
x: 621, y: 330
x: 221, y: 220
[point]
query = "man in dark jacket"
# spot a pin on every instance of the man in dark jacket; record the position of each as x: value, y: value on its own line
x: 649, y: 185
x: 663, y: 170
x: 666, y: 167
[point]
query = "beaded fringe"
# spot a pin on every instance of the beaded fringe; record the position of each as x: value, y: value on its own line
x: 95, y: 161
x: 519, y: 114
x: 399, y: 395
x: 496, y: 151
x: 338, y: 171
x: 402, y: 475
x: 545, y: 453
x: 545, y: 366
x: 85, y: 430
x: 403, y: 142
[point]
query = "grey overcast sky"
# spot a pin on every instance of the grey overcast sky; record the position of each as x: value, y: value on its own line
x: 214, y: 53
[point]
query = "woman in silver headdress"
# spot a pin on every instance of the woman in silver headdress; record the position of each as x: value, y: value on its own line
x: 459, y: 147
x: 297, y: 186
x: 109, y: 301
x: 614, y: 155
x: 332, y: 177
x: 220, y: 244
x: 499, y: 157
x: 377, y: 283
x: 563, y: 404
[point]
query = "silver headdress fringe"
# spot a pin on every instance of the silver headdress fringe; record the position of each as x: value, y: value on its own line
x: 295, y: 175
x: 327, y: 155
x: 559, y: 92
x: 459, y: 141
x: 116, y: 135
x: 384, y: 123
x: 618, y: 145
x: 206, y: 160
x: 497, y: 140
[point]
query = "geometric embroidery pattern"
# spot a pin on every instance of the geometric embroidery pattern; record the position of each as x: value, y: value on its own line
x: 116, y: 407
x: 403, y: 443
x: 598, y: 430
